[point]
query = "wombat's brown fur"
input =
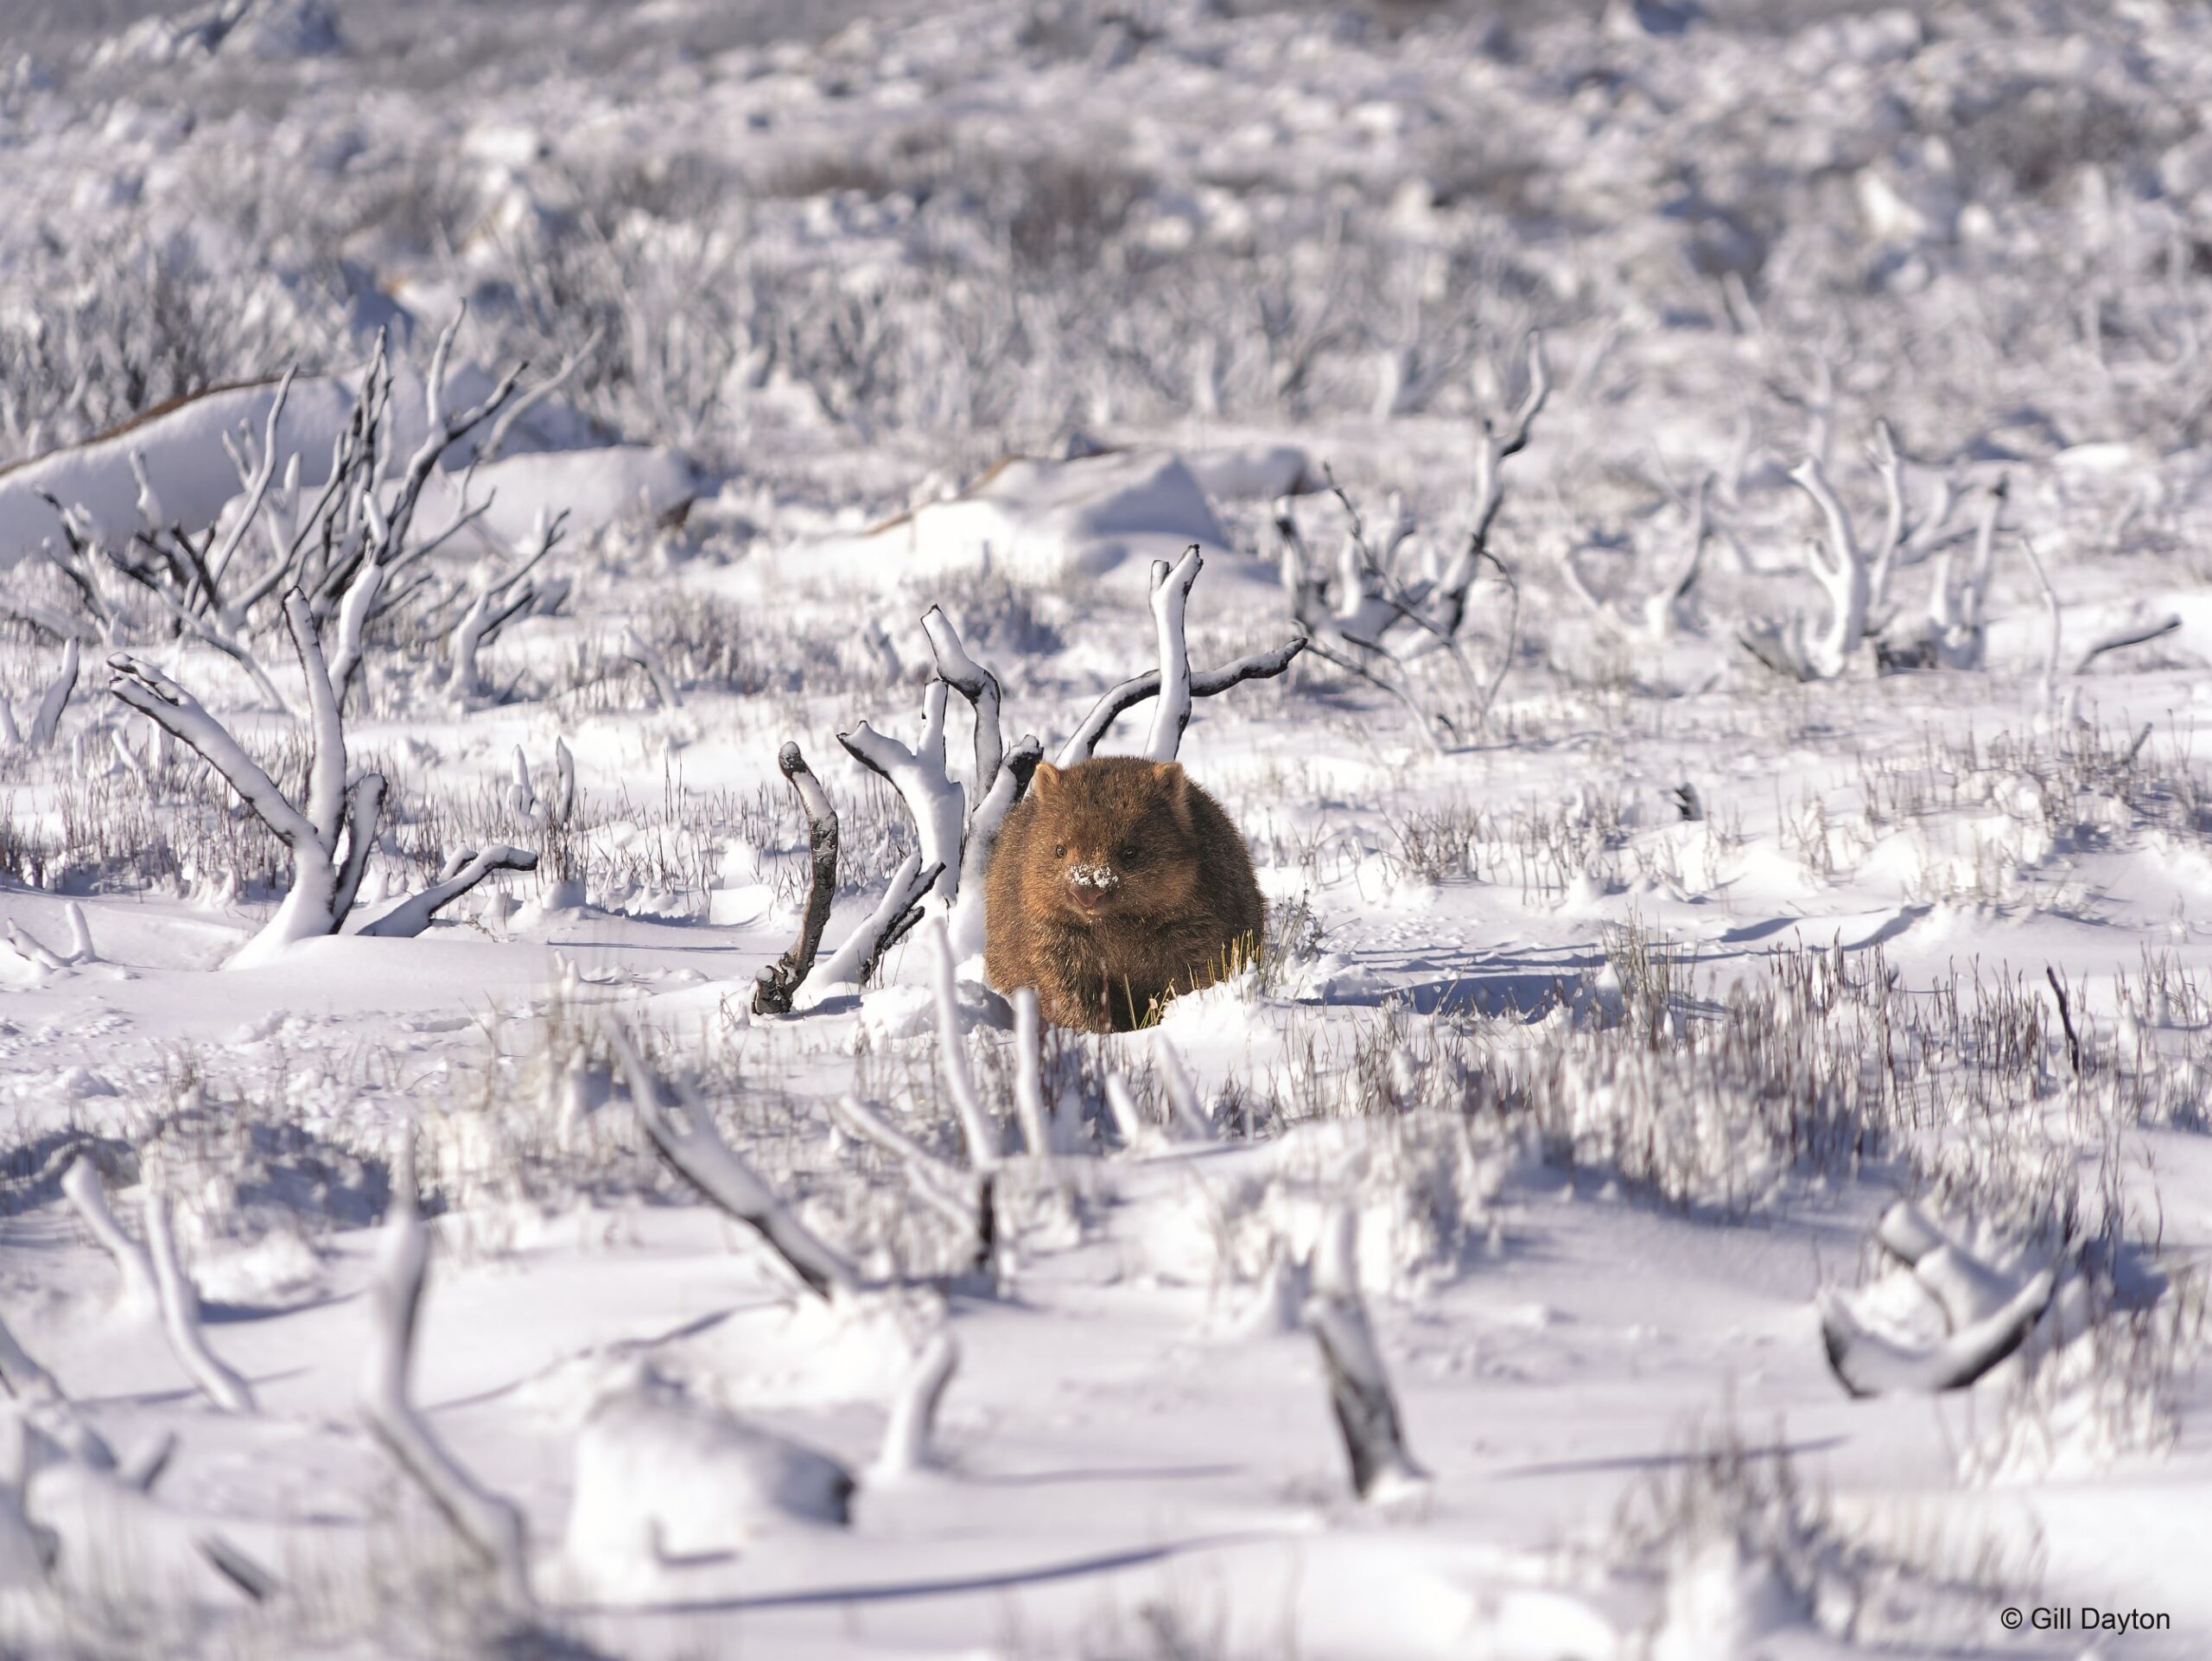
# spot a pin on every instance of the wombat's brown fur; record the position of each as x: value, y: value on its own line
x: 1116, y: 883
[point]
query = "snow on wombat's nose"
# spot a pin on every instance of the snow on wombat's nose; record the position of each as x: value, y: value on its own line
x: 1100, y: 875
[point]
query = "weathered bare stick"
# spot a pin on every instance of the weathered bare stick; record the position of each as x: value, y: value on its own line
x: 772, y: 993
x: 898, y: 910
x: 1366, y: 1407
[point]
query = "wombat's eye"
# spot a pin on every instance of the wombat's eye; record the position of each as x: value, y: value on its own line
x: 1128, y: 854
x: 1060, y: 850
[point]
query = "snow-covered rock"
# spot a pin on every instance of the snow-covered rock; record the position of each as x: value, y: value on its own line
x: 1048, y: 522
x: 662, y: 1476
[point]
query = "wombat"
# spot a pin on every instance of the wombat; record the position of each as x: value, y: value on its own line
x: 1115, y: 884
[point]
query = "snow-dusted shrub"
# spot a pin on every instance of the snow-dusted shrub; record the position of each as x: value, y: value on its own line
x: 126, y: 322
x: 1749, y: 1546
x: 244, y: 1164
x: 2102, y: 1390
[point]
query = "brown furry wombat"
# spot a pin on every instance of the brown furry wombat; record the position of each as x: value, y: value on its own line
x: 1115, y: 883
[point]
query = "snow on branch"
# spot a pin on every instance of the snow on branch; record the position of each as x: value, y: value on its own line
x: 329, y: 836
x: 686, y: 1138
x: 1040, y: 1130
x: 960, y: 1197
x: 81, y: 1183
x: 355, y: 551
x: 492, y: 1524
x: 918, y: 775
x: 463, y: 870
x: 1360, y: 1395
x: 1664, y: 608
x: 1171, y: 596
x: 1189, y: 1114
x: 1988, y: 1315
x: 20, y: 1376
x: 1202, y: 684
x: 497, y: 598
x: 46, y: 717
x: 1794, y: 646
x: 44, y: 961
x: 154, y: 1281
x: 216, y: 1379
x: 1371, y: 620
x: 976, y: 1123
x: 857, y: 959
x: 910, y: 1438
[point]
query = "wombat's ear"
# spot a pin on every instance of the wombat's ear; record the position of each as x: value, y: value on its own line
x: 1045, y: 780
x: 1175, y: 785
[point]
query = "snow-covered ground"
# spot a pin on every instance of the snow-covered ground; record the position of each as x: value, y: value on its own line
x: 1811, y: 810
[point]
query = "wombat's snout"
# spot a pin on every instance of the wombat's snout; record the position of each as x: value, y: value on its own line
x: 1092, y: 883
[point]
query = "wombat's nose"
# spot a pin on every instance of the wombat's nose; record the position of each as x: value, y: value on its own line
x: 1098, y: 878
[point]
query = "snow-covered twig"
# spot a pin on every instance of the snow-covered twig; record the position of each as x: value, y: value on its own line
x: 81, y: 1183
x: 329, y: 838
x: 1171, y: 710
x: 1839, y: 566
x: 932, y: 800
x: 46, y: 720
x: 1360, y: 1395
x: 27, y: 947
x: 637, y: 652
x: 772, y: 992
x: 1039, y: 1131
x: 1121, y: 1107
x: 910, y: 1440
x: 491, y: 1523
x: 2124, y: 635
x: 980, y: 688
x: 1376, y: 624
x: 1663, y: 608
x: 463, y: 870
x: 898, y: 910
x: 498, y: 599
x: 956, y: 1195
x: 701, y: 1158
x: 1001, y: 776
x: 1192, y: 1123
x: 179, y: 1300
x: 20, y: 1376
x: 1206, y: 683
x: 976, y: 1122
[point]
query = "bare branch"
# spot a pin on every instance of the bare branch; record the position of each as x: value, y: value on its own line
x: 701, y: 1157
x: 180, y: 1302
x: 772, y: 993
x: 490, y: 1524
x: 1209, y: 683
